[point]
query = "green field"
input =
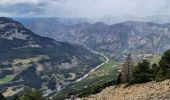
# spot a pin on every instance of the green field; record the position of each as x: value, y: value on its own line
x: 106, y: 70
x: 154, y: 59
x: 6, y: 79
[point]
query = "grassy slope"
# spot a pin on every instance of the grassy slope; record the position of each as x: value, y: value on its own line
x: 154, y: 59
x: 6, y: 79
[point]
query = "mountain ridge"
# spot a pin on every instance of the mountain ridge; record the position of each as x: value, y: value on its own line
x: 115, y: 40
x: 32, y: 61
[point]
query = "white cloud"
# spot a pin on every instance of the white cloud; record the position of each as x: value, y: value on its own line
x: 20, y: 1
x: 92, y: 8
x: 98, y: 8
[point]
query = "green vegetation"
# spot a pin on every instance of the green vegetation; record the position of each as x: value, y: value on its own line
x: 154, y: 59
x: 94, y: 83
x: 145, y: 72
x: 106, y: 70
x: 71, y: 76
x: 16, y: 97
x: 29, y: 95
x: 142, y: 72
x: 2, y: 97
x: 23, y: 64
x: 6, y: 79
x: 33, y: 95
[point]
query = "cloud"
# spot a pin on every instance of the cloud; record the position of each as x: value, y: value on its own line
x: 98, y: 8
x: 84, y: 8
x: 21, y: 7
x: 9, y: 2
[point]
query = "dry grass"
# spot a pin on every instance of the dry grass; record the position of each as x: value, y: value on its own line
x: 134, y: 92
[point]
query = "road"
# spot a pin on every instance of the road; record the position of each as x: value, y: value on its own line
x: 97, y: 67
x: 86, y: 75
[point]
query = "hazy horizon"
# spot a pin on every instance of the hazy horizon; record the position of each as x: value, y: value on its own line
x: 83, y: 8
x: 95, y: 10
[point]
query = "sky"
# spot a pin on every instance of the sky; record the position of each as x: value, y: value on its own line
x: 83, y: 8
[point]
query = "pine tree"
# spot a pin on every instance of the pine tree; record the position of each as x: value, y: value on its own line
x: 165, y: 64
x: 2, y: 97
x: 155, y: 68
x: 142, y: 72
x: 157, y: 73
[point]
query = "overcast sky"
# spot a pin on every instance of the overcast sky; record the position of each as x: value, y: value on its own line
x: 83, y: 8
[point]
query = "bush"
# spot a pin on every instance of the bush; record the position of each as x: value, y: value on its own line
x: 16, y: 97
x: 33, y: 95
x: 165, y: 64
x: 157, y: 72
x: 142, y: 72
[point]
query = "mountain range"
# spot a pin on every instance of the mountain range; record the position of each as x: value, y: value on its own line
x: 33, y: 61
x: 116, y: 40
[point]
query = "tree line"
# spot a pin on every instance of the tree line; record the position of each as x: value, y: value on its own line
x: 145, y: 71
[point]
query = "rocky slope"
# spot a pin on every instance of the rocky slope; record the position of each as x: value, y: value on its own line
x: 115, y: 40
x: 146, y: 91
x: 29, y: 60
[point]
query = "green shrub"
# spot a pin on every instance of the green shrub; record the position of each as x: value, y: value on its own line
x: 142, y: 72
x: 16, y: 97
x: 33, y: 95
x: 165, y: 64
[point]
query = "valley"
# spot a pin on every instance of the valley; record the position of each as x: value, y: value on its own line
x: 105, y: 61
x: 84, y: 50
x: 115, y: 40
x: 61, y: 70
x: 32, y: 61
x: 104, y: 76
x: 94, y: 69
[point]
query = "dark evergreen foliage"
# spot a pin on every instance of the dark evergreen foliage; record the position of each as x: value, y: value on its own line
x: 2, y: 97
x: 157, y: 72
x: 142, y: 72
x: 165, y: 64
x: 33, y: 95
x: 16, y: 97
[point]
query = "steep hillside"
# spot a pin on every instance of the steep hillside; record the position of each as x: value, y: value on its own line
x: 147, y: 91
x: 29, y: 60
x: 115, y: 40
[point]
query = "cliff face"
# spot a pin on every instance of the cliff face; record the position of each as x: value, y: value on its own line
x: 146, y: 91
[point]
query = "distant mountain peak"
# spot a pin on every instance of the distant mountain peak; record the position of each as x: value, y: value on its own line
x: 99, y: 23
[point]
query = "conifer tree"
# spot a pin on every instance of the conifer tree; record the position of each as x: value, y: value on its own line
x: 2, y: 97
x: 165, y: 64
x: 142, y: 72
